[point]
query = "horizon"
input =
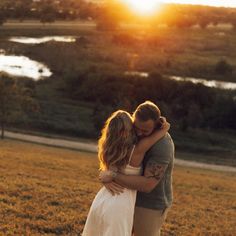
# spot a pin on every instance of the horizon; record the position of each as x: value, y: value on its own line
x: 213, y: 3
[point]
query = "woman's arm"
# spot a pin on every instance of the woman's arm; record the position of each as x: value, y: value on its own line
x: 145, y: 143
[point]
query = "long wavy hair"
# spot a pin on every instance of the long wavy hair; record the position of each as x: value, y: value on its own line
x: 116, y: 141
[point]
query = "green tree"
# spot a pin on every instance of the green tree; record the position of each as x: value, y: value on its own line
x: 15, y: 100
x: 22, y: 9
x: 203, y: 22
x: 109, y: 16
x: 194, y: 115
x: 48, y: 12
x: 2, y: 18
x: 223, y: 67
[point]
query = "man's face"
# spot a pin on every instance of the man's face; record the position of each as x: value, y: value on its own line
x: 143, y: 128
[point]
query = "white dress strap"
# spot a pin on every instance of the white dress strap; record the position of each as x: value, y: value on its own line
x: 131, y: 154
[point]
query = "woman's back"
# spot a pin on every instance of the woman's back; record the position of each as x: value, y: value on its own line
x: 112, y: 215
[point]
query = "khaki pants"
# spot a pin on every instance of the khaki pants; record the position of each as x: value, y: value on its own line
x: 148, y: 222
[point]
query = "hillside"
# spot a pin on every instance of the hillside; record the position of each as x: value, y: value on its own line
x: 48, y: 191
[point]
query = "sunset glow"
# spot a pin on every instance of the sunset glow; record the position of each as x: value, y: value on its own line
x: 217, y: 3
x: 143, y: 7
x: 147, y: 7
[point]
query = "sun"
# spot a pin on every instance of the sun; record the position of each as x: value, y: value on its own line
x: 143, y: 7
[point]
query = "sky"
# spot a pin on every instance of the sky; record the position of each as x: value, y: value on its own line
x: 147, y: 7
x: 223, y: 3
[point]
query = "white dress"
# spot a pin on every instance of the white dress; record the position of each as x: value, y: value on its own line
x: 112, y: 215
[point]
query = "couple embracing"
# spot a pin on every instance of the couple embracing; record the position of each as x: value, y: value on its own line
x: 136, y: 155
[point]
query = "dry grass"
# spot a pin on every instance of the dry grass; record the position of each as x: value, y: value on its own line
x: 48, y: 191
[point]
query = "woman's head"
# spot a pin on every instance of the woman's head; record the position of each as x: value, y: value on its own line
x: 116, y: 140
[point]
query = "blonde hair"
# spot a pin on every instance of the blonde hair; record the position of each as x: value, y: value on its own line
x: 116, y: 140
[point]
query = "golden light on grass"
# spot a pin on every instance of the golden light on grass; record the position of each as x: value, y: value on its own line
x: 46, y: 190
x: 143, y: 7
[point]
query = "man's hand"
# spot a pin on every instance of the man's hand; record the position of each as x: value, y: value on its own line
x: 114, y: 188
x: 107, y: 177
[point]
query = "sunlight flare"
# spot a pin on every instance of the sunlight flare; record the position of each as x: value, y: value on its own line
x: 143, y: 7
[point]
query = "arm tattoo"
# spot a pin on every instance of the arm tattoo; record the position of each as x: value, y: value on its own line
x: 155, y: 170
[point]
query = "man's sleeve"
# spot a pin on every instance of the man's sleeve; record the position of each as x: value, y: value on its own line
x: 161, y: 153
x: 158, y: 159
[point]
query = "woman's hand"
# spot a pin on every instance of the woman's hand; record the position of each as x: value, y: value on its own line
x: 165, y: 124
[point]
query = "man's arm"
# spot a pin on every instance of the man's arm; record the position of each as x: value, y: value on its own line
x: 152, y: 175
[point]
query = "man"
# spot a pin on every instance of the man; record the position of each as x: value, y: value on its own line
x: 154, y: 196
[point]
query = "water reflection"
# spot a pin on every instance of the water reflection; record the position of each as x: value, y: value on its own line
x: 24, y: 67
x: 27, y: 40
x: 137, y: 73
x: 208, y: 83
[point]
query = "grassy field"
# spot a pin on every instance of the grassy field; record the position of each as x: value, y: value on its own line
x: 48, y: 191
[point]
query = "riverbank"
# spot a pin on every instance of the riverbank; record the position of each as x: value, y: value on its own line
x: 190, y: 50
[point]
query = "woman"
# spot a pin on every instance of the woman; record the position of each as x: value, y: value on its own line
x: 113, y: 215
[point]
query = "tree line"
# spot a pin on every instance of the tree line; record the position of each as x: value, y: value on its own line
x: 111, y: 13
x: 16, y: 99
x: 186, y: 104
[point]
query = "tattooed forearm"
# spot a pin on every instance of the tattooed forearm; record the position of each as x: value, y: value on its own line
x: 155, y: 170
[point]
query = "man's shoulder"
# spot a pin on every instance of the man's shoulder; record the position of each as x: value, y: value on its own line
x: 165, y: 141
x: 163, y: 147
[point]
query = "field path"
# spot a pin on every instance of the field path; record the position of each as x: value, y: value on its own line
x: 92, y: 147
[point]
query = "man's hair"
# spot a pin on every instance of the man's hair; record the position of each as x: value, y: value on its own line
x: 146, y: 111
